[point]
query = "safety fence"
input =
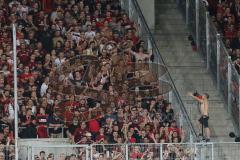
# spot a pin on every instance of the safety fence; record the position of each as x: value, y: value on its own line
x: 213, y: 50
x: 191, y: 151
x: 132, y: 8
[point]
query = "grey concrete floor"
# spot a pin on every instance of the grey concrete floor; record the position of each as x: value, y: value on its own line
x: 188, y: 70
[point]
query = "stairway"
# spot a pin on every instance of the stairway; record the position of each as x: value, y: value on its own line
x: 188, y: 69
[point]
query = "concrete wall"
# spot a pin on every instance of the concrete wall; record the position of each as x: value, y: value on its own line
x: 148, y: 9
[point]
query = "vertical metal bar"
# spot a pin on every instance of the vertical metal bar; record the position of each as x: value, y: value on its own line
x: 62, y: 132
x: 218, y: 61
x: 15, y: 90
x: 239, y: 102
x: 33, y: 150
x: 170, y: 96
x: 229, y: 83
x: 180, y: 119
x: 122, y: 4
x: 197, y: 23
x: 195, y: 151
x: 212, y: 151
x: 130, y: 8
x: 126, y: 150
x: 140, y: 27
x: 190, y: 136
x: 87, y: 152
x: 161, y: 151
x: 91, y: 152
x: 29, y: 153
x: 187, y: 12
x: 207, y: 40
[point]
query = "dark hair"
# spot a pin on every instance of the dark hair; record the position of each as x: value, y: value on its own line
x: 207, y: 95
x: 29, y: 109
x: 42, y: 152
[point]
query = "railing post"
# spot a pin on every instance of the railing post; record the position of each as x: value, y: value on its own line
x: 187, y: 12
x: 87, y: 152
x: 239, y: 100
x: 130, y: 9
x: 161, y: 151
x: 170, y: 96
x: 212, y: 151
x: 126, y: 150
x: 91, y: 152
x: 218, y: 61
x: 197, y: 23
x: 195, y: 149
x: 180, y: 119
x: 207, y: 40
x: 29, y: 153
x: 33, y: 150
x: 229, y: 82
x: 190, y: 136
x: 122, y: 4
x: 140, y: 27
x: 62, y: 132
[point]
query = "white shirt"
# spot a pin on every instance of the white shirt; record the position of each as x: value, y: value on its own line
x: 90, y: 34
x: 44, y: 88
x: 10, y: 111
x: 58, y: 62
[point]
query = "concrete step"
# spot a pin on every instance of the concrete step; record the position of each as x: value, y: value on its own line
x: 187, y: 56
x: 173, y: 21
x: 184, y: 62
x: 187, y: 49
x: 181, y: 63
x: 166, y: 5
x: 168, y: 14
x: 167, y: 44
x: 165, y: 37
x: 181, y: 32
x: 222, y: 139
x: 187, y: 70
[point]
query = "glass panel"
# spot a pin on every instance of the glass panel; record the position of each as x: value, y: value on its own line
x: 223, y: 69
x: 213, y: 49
x: 61, y: 152
x: 103, y: 151
x: 235, y: 96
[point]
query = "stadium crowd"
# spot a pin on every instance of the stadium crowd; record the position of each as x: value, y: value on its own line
x: 226, y: 16
x: 51, y: 34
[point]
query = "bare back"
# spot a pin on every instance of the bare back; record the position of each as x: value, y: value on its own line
x: 204, y: 107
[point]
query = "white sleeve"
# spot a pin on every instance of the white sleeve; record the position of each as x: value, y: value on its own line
x: 133, y: 53
x: 57, y: 62
x: 43, y: 89
x: 11, y: 111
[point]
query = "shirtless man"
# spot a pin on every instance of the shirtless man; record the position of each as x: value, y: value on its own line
x: 141, y: 55
x: 203, y: 120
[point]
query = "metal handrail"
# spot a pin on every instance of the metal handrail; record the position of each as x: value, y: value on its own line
x: 182, y: 107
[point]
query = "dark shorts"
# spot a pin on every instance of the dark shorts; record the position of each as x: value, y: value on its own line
x: 204, y: 121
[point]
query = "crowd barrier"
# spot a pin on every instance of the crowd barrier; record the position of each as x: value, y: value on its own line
x: 210, y: 44
x: 191, y: 151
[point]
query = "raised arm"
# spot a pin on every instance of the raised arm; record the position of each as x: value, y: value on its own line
x: 194, y: 97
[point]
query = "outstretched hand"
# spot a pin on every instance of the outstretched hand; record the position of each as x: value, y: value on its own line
x: 189, y: 94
